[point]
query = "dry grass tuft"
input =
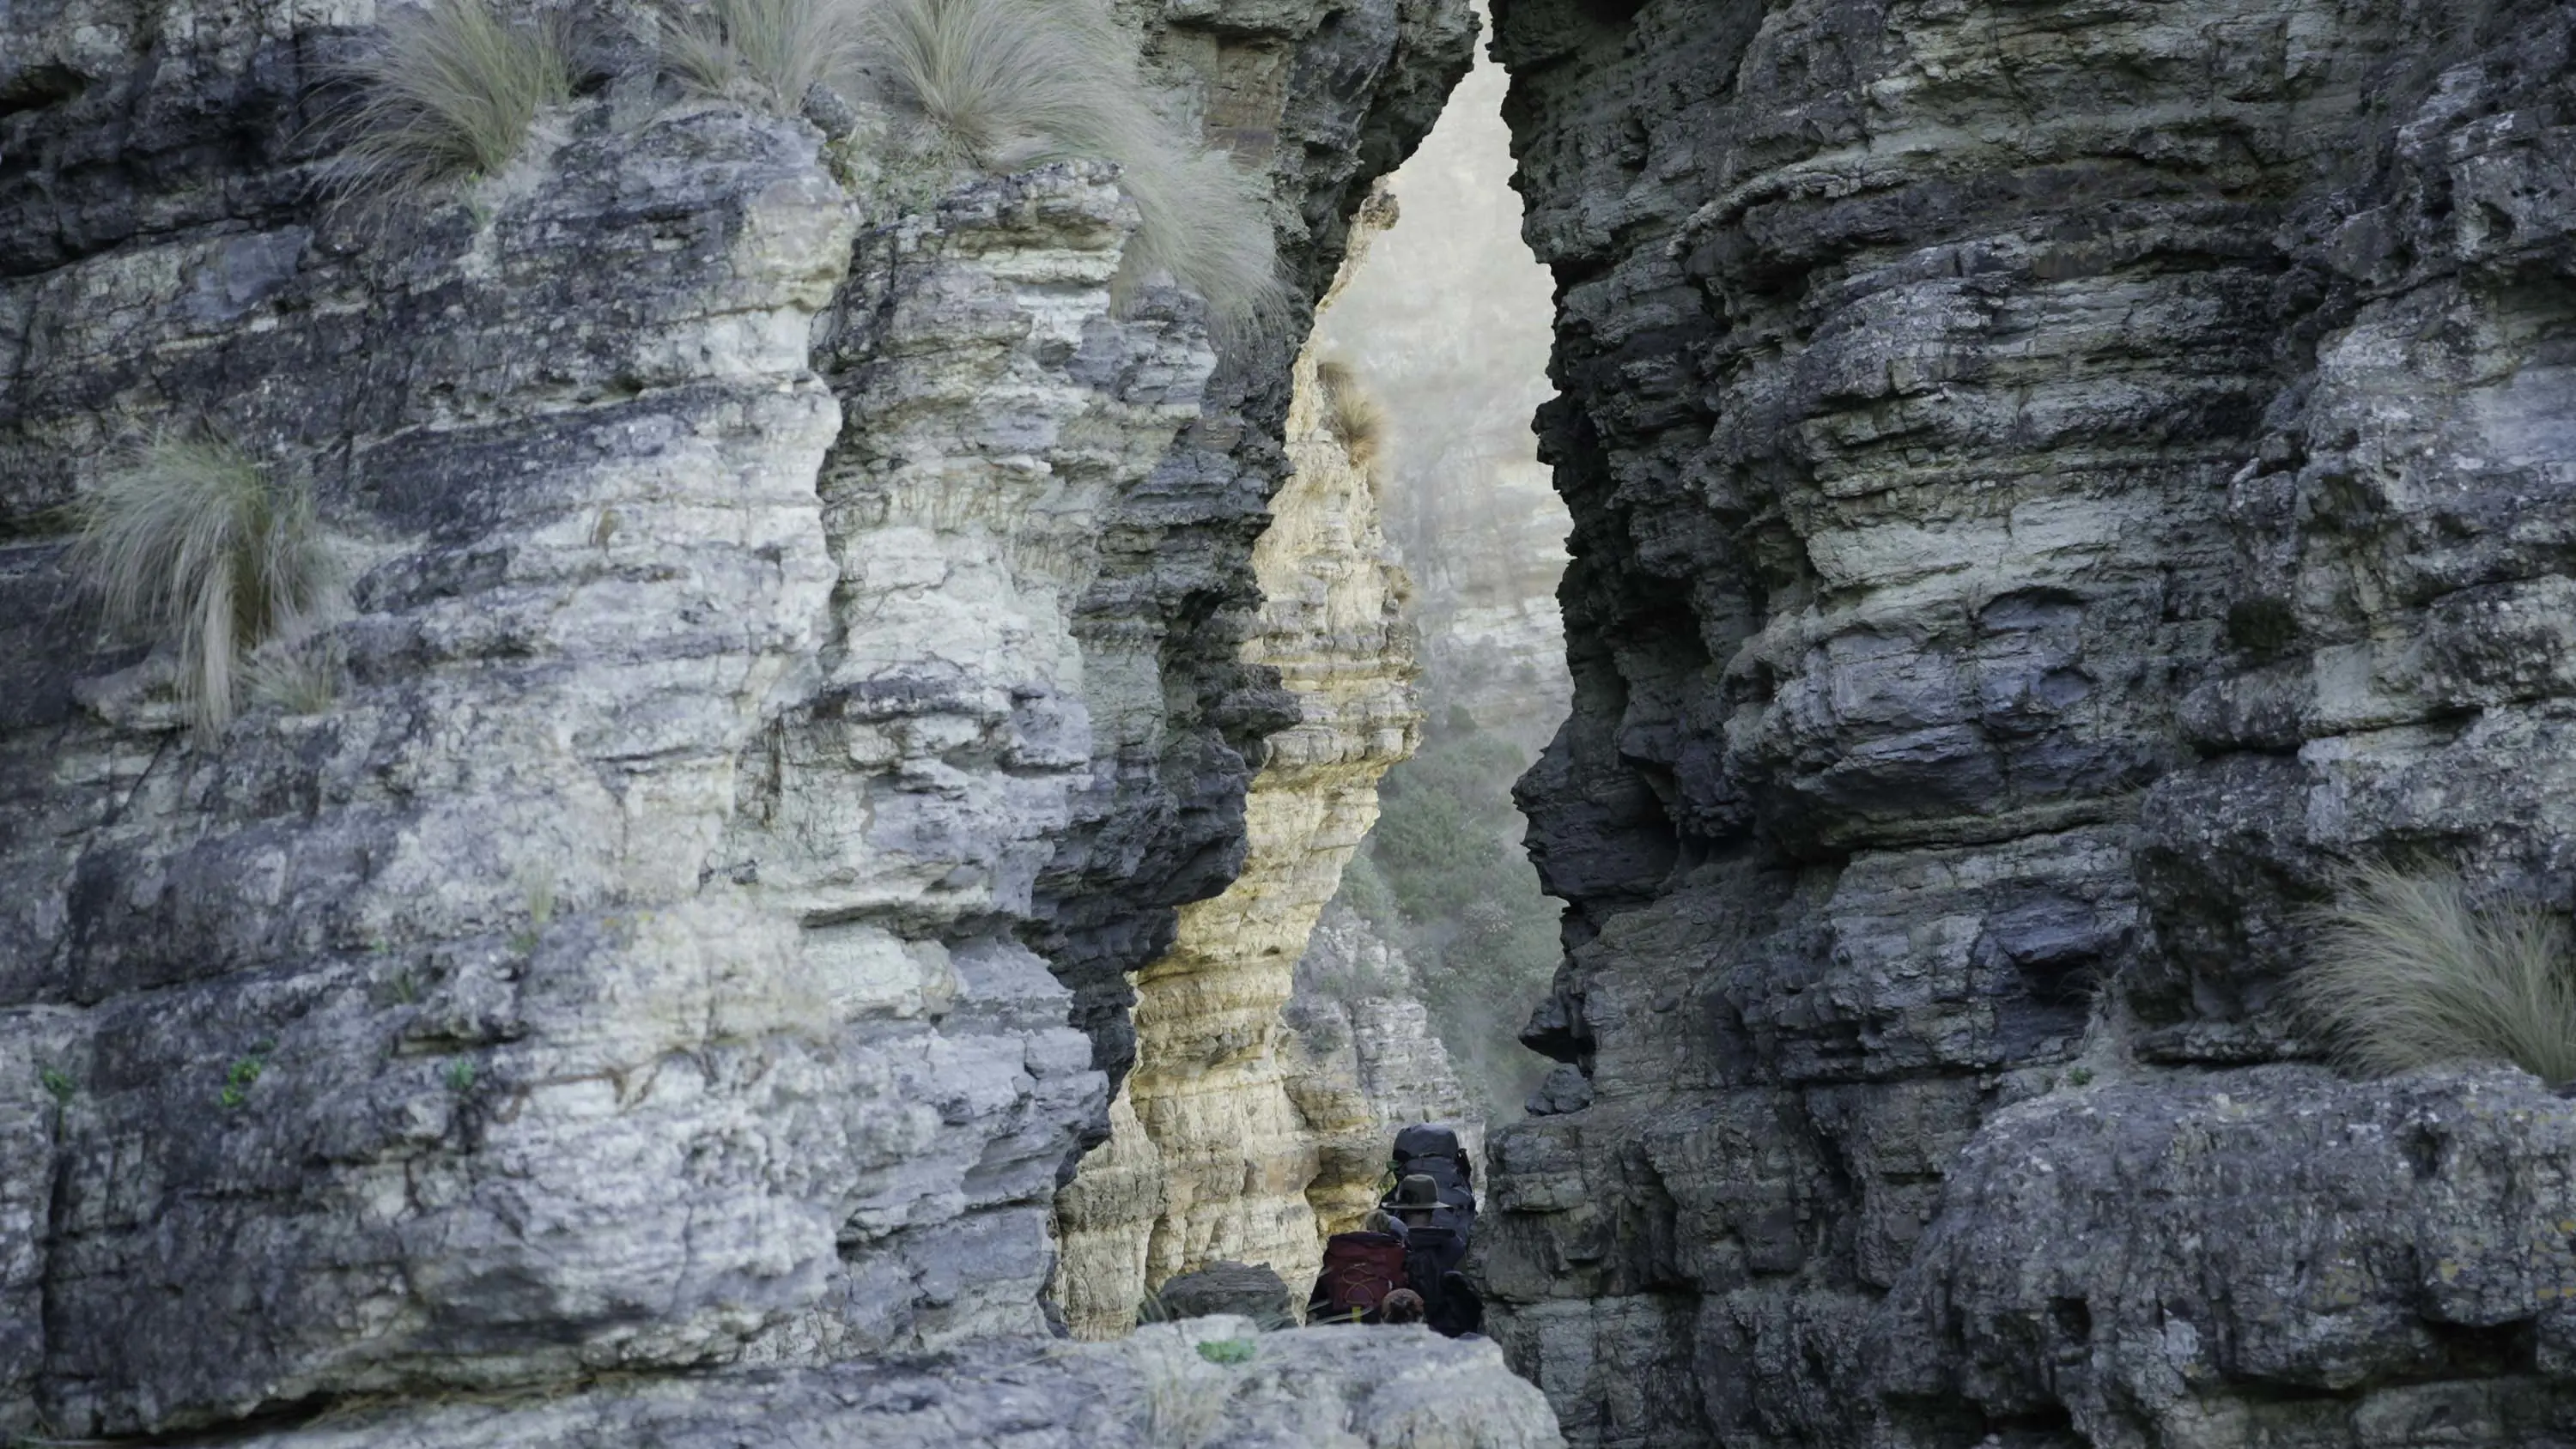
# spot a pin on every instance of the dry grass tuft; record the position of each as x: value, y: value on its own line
x: 297, y: 675
x: 198, y: 545
x: 2409, y: 970
x: 1353, y: 417
x: 1007, y: 84
x: 451, y: 91
x: 769, y: 53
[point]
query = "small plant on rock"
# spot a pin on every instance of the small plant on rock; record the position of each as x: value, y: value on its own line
x: 1184, y: 1402
x: 1350, y: 414
x: 57, y: 1084
x: 451, y: 91
x: 196, y: 543
x: 2410, y: 970
x: 244, y: 1074
x: 1227, y: 1351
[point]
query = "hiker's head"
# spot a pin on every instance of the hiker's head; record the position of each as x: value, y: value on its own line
x: 1401, y: 1306
x: 1380, y: 1220
x: 1415, y: 1197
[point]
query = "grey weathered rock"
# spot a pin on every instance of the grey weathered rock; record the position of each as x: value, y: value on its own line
x: 1249, y: 1290
x: 2049, y: 482
x: 1323, y: 1388
x: 2386, y: 1260
x: 766, y: 610
x: 1359, y: 1011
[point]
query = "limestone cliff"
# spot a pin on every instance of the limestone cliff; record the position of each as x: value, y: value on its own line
x: 2049, y: 482
x: 1210, y: 1157
x: 790, y: 663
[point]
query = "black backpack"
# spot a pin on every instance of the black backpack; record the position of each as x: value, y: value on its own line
x: 1434, y: 1152
x: 1418, y: 1148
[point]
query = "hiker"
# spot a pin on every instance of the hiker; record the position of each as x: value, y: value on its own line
x: 1434, y: 1206
x: 1403, y: 1265
x: 1435, y: 1244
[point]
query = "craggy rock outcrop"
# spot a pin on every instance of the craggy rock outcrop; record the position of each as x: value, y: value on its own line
x: 2049, y: 482
x: 767, y: 608
x: 1211, y: 1157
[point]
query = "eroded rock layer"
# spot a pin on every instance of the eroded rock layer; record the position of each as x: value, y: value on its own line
x: 791, y: 658
x: 2050, y: 482
x: 1211, y: 1157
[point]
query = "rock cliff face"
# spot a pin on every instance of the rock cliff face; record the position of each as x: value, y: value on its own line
x: 1372, y: 1058
x: 790, y: 670
x: 1210, y: 1156
x: 2049, y: 481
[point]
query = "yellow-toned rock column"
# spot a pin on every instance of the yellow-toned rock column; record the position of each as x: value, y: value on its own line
x: 1228, y: 1160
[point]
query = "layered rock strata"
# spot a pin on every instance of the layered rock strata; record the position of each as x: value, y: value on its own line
x: 764, y: 610
x: 1322, y: 100
x: 1211, y: 1158
x: 1357, y: 992
x: 1371, y: 1058
x: 2050, y: 484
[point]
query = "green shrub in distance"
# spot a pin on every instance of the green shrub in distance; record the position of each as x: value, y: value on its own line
x: 1443, y: 876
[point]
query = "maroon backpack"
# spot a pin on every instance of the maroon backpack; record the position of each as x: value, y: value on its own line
x: 1360, y: 1269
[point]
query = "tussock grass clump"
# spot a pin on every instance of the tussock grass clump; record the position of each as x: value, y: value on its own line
x: 2410, y: 970
x: 1353, y: 417
x: 1007, y: 84
x: 451, y: 91
x: 1002, y: 85
x: 196, y: 544
x: 769, y: 53
x: 294, y: 675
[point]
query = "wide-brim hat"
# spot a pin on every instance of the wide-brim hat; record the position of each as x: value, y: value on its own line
x: 1419, y: 1192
